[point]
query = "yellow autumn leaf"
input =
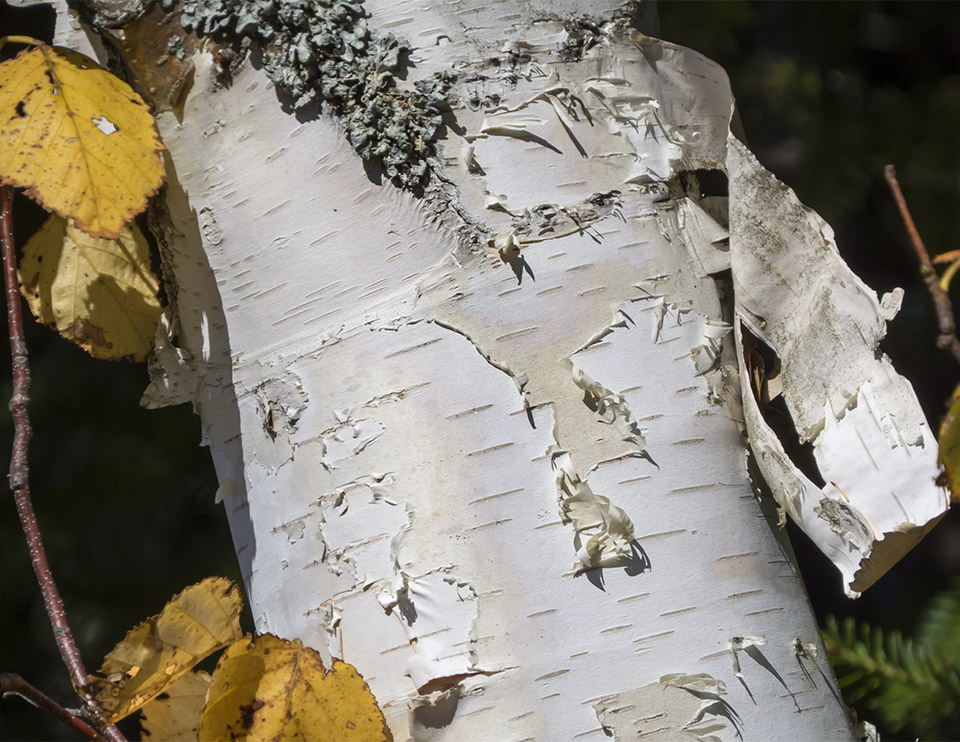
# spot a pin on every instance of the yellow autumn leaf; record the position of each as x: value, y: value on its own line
x: 949, y: 455
x: 161, y: 650
x: 100, y: 294
x: 266, y: 688
x: 172, y: 716
x: 79, y: 139
x: 948, y: 275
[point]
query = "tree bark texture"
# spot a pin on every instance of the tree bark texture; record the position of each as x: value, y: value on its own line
x: 486, y: 442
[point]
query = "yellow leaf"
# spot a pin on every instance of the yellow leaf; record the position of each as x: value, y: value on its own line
x: 948, y: 275
x: 100, y: 294
x: 172, y: 716
x: 268, y: 688
x: 80, y: 140
x: 161, y: 650
x: 949, y: 456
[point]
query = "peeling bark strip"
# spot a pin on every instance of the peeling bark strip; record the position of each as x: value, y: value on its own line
x: 874, y: 451
x: 640, y: 713
x: 486, y: 444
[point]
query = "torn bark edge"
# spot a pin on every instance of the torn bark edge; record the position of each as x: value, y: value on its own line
x: 875, y: 495
x: 838, y: 528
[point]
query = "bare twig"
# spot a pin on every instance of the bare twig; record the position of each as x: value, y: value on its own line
x: 20, y: 474
x: 948, y: 328
x: 14, y: 685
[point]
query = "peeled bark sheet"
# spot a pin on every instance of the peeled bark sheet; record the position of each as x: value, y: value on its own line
x: 872, y: 445
x: 485, y: 443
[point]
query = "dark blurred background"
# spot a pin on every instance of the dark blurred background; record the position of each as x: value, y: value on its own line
x: 828, y: 92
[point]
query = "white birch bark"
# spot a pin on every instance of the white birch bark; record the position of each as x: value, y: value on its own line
x: 513, y: 492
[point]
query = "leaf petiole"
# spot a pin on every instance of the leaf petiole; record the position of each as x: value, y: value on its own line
x: 19, y: 40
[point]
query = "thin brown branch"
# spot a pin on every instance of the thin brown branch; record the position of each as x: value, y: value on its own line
x: 948, y: 328
x: 20, y: 474
x: 12, y: 684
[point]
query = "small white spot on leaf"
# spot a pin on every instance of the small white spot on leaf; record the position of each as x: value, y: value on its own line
x: 105, y: 125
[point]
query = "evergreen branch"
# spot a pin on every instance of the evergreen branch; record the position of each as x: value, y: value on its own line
x: 912, y: 685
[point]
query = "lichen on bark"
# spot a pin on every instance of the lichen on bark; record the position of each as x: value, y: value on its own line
x: 324, y: 50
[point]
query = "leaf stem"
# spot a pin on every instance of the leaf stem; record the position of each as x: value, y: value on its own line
x: 14, y: 685
x: 4, y: 40
x: 948, y: 329
x: 20, y: 474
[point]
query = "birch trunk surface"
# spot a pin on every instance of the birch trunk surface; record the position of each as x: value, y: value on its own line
x: 487, y: 444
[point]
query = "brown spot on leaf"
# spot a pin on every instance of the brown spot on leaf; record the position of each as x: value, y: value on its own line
x: 248, y: 710
x: 82, y: 329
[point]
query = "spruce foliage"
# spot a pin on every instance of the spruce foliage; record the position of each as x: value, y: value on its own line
x: 909, y: 685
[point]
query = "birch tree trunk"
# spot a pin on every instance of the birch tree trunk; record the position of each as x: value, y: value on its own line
x: 485, y: 441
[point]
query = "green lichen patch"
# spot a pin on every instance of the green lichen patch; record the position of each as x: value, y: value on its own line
x: 324, y: 50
